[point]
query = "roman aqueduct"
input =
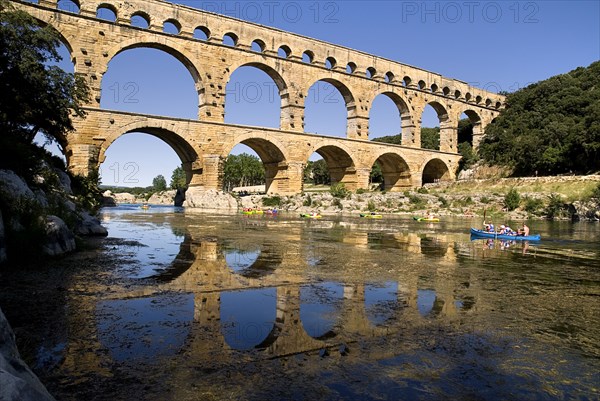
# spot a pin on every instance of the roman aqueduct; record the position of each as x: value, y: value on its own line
x: 212, y: 47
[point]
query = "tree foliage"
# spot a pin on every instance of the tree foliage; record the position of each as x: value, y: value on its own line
x: 34, y: 96
x: 178, y: 179
x: 549, y: 127
x: 159, y: 183
x: 242, y: 170
x: 317, y: 172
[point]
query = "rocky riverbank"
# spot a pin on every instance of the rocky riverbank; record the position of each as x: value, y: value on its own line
x: 38, y: 219
x: 567, y: 197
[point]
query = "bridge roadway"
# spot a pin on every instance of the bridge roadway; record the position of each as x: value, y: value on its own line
x: 294, y: 63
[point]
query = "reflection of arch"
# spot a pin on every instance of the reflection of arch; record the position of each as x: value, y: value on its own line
x: 270, y: 153
x: 381, y: 303
x: 248, y: 317
x: 318, y: 304
x: 433, y: 247
x: 395, y: 171
x: 435, y: 170
x: 339, y: 162
x: 266, y: 262
x: 168, y: 47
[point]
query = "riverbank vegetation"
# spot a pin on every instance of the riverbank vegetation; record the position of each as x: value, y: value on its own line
x: 40, y: 203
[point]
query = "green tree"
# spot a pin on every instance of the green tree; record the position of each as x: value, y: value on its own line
x: 550, y: 127
x: 430, y: 138
x: 178, y: 178
x: 34, y: 96
x: 317, y: 172
x: 376, y: 175
x: 242, y: 170
x: 159, y: 183
x: 512, y: 199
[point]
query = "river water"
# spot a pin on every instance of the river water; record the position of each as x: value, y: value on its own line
x: 177, y: 305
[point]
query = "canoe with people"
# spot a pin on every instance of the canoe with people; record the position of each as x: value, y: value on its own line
x: 505, y: 232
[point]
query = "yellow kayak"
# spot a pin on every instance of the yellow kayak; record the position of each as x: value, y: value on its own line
x: 427, y: 219
x: 372, y: 215
x: 310, y: 216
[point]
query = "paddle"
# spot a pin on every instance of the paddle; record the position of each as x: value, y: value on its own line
x: 484, y: 212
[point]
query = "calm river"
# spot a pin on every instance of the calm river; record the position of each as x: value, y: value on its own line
x: 183, y: 306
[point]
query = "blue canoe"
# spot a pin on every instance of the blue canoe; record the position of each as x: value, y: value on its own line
x: 484, y: 234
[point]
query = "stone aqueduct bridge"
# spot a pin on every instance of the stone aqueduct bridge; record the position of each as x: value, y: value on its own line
x: 294, y: 63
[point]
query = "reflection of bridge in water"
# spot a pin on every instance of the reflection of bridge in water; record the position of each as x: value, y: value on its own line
x: 298, y: 315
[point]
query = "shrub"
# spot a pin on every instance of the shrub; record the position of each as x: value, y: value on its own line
x: 360, y: 191
x: 556, y: 207
x: 533, y: 205
x: 512, y: 199
x: 371, y: 206
x: 485, y: 199
x: 417, y: 201
x: 87, y: 190
x: 443, y: 201
x: 422, y: 190
x: 596, y: 192
x: 337, y: 202
x: 271, y: 201
x: 339, y: 190
x: 307, y: 201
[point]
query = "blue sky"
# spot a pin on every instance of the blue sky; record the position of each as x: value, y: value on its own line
x: 495, y: 45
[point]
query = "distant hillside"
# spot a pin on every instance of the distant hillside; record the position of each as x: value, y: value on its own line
x: 550, y: 127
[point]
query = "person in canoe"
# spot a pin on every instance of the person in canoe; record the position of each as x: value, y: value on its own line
x: 489, y: 227
x: 524, y: 230
x: 506, y: 230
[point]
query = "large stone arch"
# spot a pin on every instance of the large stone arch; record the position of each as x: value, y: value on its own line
x: 349, y: 100
x: 65, y: 38
x: 436, y: 170
x: 448, y: 125
x: 168, y: 46
x: 341, y: 165
x: 271, y: 153
x: 406, y: 117
x: 286, y: 110
x: 476, y: 121
x: 186, y: 153
x: 396, y: 171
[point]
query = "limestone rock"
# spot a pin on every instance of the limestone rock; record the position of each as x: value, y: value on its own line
x: 209, y: 199
x: 65, y: 180
x: 125, y: 198
x: 109, y: 199
x: 163, y: 197
x: 14, y: 185
x: 2, y: 241
x: 90, y: 226
x: 179, y: 197
x: 17, y: 381
x: 59, y: 239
